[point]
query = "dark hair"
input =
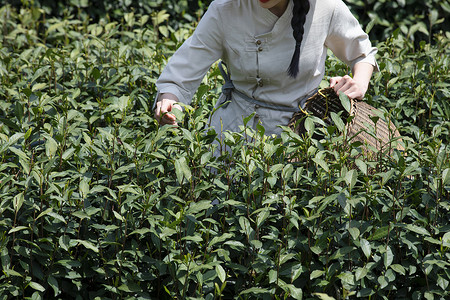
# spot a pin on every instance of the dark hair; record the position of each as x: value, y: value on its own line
x: 300, y: 10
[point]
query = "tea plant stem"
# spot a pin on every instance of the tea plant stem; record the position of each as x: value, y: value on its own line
x: 41, y: 196
x: 112, y: 162
x: 278, y: 263
x: 63, y: 146
x: 124, y: 238
x: 52, y: 64
x: 188, y: 264
x: 388, y: 234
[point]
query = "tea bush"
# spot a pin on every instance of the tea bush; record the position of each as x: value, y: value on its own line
x: 99, y: 202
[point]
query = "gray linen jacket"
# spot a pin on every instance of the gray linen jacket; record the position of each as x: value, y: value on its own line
x: 257, y: 47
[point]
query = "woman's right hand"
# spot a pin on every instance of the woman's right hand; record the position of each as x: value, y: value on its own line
x: 163, y: 111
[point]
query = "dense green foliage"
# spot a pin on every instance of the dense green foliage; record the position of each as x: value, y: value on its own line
x: 417, y: 19
x: 179, y: 11
x: 97, y: 200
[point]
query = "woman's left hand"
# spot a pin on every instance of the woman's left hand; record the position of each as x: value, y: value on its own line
x: 356, y: 87
x: 348, y: 86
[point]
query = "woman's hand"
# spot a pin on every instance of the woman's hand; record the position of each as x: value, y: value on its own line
x: 357, y: 86
x: 164, y: 108
x: 348, y: 86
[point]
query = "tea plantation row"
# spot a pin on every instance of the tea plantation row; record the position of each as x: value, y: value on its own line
x: 99, y: 202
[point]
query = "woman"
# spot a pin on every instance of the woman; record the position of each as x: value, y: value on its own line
x: 275, y: 51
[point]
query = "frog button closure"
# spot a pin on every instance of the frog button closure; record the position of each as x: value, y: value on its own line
x: 259, y: 81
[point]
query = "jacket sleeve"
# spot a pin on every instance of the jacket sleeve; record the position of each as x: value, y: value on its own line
x: 347, y: 40
x: 190, y: 63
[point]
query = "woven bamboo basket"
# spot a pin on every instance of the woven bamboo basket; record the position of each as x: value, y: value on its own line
x: 380, y: 136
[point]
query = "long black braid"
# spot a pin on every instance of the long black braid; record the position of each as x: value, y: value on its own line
x: 300, y: 10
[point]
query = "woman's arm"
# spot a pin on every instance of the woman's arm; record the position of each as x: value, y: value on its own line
x: 357, y: 86
x: 351, y: 44
x: 186, y: 68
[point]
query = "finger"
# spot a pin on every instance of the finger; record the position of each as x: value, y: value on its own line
x: 352, y: 90
x: 162, y: 114
x: 166, y: 108
x: 354, y: 94
x: 176, y: 106
x: 157, y: 111
x: 346, y: 83
x: 167, y: 122
x: 338, y: 87
x: 334, y: 81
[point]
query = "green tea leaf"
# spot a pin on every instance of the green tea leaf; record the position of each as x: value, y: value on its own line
x: 19, y: 153
x: 64, y: 242
x: 350, y: 178
x: 442, y: 283
x: 361, y: 165
x: 255, y: 291
x: 398, y: 269
x: 88, y: 245
x: 68, y: 153
x: 54, y: 284
x: 446, y: 176
x: 18, y: 111
x: 235, y: 245
x: 345, y: 101
x: 57, y: 216
x: 296, y: 293
x: 310, y: 126
x: 321, y: 163
x: 388, y: 257
x: 45, y: 212
x: 337, y: 121
x: 182, y: 170
x: 354, y: 232
x: 417, y: 229
x: 50, y: 146
x: 366, y: 248
x: 84, y: 188
x: 360, y: 273
x: 245, y: 225
x: 17, y: 228
x: 262, y: 216
x: 273, y: 276
x: 38, y: 87
x: 18, y: 201
x: 118, y: 216
x: 323, y: 296
x: 36, y: 286
x: 446, y: 240
x: 221, y: 273
x: 316, y: 274
x: 141, y: 231
x: 197, y: 207
x: 193, y: 238
x: 11, y: 272
x: 380, y: 233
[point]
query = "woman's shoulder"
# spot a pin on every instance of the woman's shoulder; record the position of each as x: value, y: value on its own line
x: 228, y: 8
x: 227, y: 3
x: 325, y: 6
